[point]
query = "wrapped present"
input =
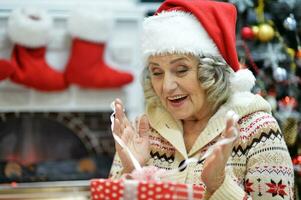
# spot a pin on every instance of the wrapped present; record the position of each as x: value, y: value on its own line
x: 105, y: 189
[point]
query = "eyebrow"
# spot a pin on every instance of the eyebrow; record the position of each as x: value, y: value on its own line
x: 178, y: 59
x: 171, y: 62
x: 152, y: 63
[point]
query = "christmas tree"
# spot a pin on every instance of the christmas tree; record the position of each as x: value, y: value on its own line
x: 268, y: 43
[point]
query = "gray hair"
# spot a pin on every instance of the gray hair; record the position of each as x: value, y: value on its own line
x: 214, y: 76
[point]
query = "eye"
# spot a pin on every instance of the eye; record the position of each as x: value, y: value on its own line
x: 182, y: 70
x: 156, y: 72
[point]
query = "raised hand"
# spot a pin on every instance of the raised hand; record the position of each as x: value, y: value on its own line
x: 213, y: 173
x: 135, y: 136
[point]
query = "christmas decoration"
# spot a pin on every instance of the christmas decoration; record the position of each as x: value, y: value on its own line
x: 270, y: 55
x: 255, y: 30
x: 265, y: 32
x: 29, y: 29
x: 287, y: 104
x: 291, y: 52
x: 297, y: 164
x: 6, y: 69
x: 298, y: 54
x: 250, y: 58
x: 87, y: 66
x: 279, y: 74
x: 290, y: 23
x: 247, y: 33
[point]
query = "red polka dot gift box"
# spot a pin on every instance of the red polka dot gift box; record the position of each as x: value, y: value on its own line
x: 107, y: 189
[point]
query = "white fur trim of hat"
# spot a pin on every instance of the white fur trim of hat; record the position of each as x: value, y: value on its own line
x: 90, y: 25
x: 176, y: 32
x: 29, y: 27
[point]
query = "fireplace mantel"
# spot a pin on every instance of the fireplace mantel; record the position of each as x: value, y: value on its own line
x: 59, y: 190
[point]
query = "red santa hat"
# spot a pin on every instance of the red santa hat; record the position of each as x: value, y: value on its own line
x: 200, y: 27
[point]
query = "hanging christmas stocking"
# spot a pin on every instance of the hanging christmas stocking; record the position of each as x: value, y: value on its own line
x: 6, y: 69
x: 29, y: 29
x: 86, y: 66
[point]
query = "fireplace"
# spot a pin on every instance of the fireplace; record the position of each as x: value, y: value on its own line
x: 39, y: 147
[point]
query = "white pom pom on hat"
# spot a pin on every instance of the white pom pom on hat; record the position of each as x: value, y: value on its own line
x: 242, y: 81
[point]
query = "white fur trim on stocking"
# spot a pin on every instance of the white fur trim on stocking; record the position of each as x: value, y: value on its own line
x: 91, y: 25
x: 242, y: 81
x: 29, y: 27
x: 176, y: 32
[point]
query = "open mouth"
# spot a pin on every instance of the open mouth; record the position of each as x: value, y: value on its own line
x: 177, y: 99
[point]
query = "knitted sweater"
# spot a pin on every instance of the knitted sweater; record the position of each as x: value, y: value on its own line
x: 260, y: 166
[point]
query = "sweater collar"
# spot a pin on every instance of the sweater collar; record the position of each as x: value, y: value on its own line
x: 169, y: 128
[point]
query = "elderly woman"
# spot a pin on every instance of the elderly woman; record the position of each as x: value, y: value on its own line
x: 191, y: 81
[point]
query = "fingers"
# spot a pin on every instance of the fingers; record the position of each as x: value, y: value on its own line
x: 231, y: 133
x: 218, y: 158
x: 121, y: 122
x: 142, y: 125
x: 120, y: 115
x: 231, y: 125
x: 127, y: 135
x: 118, y: 109
x: 215, y: 178
x: 117, y: 128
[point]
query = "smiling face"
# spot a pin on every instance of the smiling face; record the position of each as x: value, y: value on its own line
x: 174, y: 78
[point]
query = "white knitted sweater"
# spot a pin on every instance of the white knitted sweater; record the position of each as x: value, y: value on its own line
x: 260, y: 166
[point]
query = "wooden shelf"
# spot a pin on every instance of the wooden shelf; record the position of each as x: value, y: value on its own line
x: 16, y: 98
x: 60, y: 190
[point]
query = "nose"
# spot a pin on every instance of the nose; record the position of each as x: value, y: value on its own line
x: 169, y: 84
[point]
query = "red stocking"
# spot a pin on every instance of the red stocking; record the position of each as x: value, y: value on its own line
x: 29, y: 30
x: 6, y: 69
x: 86, y: 66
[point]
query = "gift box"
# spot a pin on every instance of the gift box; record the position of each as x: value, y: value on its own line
x: 107, y: 189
